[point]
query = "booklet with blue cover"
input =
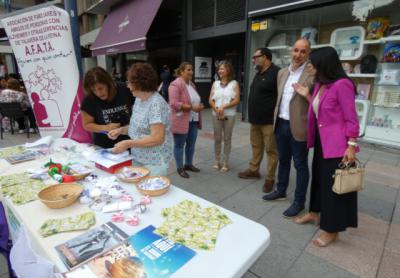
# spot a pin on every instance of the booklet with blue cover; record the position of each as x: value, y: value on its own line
x: 143, y: 255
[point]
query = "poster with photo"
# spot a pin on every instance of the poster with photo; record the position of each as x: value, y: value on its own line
x: 202, y: 69
x: 363, y: 91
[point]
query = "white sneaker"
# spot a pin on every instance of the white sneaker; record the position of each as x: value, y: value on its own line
x: 21, y: 131
x: 32, y: 130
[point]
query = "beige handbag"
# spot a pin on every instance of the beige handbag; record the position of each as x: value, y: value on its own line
x: 348, y: 179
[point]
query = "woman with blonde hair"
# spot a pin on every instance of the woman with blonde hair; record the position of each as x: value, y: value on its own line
x: 224, y: 97
x: 186, y: 107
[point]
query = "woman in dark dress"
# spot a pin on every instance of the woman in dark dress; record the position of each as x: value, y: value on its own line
x: 107, y: 106
x: 333, y: 129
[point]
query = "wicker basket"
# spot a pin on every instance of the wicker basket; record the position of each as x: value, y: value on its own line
x: 157, y: 192
x: 143, y: 171
x: 60, y: 195
x: 79, y: 177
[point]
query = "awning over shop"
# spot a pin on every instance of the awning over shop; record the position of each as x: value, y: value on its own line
x: 126, y: 27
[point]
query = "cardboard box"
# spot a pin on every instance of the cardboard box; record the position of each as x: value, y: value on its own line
x: 111, y: 169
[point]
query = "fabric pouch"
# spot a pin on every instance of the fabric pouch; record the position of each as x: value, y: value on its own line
x: 80, y: 222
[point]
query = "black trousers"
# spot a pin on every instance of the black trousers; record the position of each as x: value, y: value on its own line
x: 337, y: 212
x: 31, y: 117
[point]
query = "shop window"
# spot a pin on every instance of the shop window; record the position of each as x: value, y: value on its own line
x: 202, y: 14
x: 366, y: 35
x: 93, y: 22
x: 229, y: 11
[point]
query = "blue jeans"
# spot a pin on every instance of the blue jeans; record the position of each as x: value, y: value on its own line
x: 288, y: 147
x: 179, y: 144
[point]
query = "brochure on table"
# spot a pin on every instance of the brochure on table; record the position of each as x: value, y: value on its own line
x: 144, y: 254
x: 105, y: 158
x: 95, y: 241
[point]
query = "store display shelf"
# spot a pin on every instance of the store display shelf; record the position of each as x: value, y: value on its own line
x: 378, y: 41
x: 385, y: 135
x: 279, y: 47
x: 383, y: 40
x: 362, y: 75
x: 349, y: 58
x: 391, y: 39
x: 345, y: 44
x: 385, y: 106
x: 319, y: 45
x: 386, y: 85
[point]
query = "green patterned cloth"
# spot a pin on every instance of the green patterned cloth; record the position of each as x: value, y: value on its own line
x: 20, y: 188
x: 80, y: 222
x: 189, y: 224
x: 5, y: 152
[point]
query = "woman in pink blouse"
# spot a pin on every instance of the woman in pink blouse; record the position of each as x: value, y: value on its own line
x: 186, y: 107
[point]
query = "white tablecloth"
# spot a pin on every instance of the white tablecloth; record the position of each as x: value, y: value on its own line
x: 238, y: 244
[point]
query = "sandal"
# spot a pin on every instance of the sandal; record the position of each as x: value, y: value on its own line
x: 225, y: 168
x: 322, y: 241
x: 307, y: 218
x: 217, y: 165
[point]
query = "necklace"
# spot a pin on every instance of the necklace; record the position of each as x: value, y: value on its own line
x: 223, y: 85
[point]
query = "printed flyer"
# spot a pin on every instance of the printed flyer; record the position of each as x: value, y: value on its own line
x: 144, y: 255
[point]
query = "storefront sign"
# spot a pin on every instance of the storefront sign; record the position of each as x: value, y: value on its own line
x: 43, y: 47
x: 202, y: 69
x: 258, y: 25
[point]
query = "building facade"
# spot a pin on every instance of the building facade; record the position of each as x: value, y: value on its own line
x: 215, y: 30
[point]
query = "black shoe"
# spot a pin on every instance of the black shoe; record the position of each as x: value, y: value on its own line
x: 191, y: 168
x: 274, y: 196
x: 293, y: 210
x: 183, y: 173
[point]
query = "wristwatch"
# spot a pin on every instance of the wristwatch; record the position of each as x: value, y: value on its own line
x: 352, y: 143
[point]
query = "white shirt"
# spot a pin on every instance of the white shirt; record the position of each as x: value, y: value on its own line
x: 224, y: 95
x: 194, y: 100
x: 315, y: 105
x: 288, y: 91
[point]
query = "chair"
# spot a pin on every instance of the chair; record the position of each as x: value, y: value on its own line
x: 13, y: 111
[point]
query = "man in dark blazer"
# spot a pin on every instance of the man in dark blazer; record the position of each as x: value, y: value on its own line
x: 290, y: 126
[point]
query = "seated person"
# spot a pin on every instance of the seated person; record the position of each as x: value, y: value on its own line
x: 107, y: 106
x: 14, y: 93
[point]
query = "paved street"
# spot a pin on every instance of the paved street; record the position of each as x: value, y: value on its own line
x: 372, y: 250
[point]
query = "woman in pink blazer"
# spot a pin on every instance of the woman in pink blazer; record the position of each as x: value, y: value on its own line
x: 186, y: 109
x: 332, y: 131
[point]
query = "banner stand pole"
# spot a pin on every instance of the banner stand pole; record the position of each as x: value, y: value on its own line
x: 71, y: 7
